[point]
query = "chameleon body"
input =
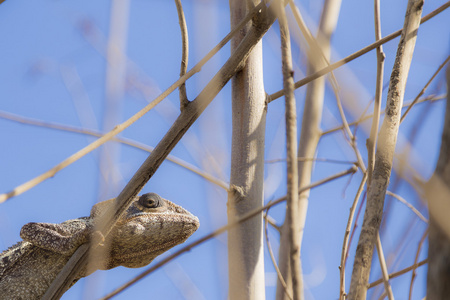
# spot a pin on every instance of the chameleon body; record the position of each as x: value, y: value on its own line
x: 150, y: 226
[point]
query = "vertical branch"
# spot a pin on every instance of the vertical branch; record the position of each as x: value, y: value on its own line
x: 310, y: 129
x: 346, y: 238
x: 372, y: 140
x: 385, y: 152
x: 114, y: 91
x: 272, y: 257
x: 184, y: 54
x: 437, y: 193
x: 416, y: 259
x: 384, y: 271
x: 292, y: 213
x: 245, y: 242
x: 184, y: 121
x: 109, y: 176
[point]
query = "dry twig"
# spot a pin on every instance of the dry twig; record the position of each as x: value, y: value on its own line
x: 385, y: 153
x: 293, y: 209
x: 357, y: 54
x: 184, y: 54
x: 187, y: 117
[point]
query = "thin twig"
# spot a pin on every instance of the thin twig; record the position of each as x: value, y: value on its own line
x: 272, y: 257
x: 402, y: 200
x: 119, y: 128
x: 399, y: 273
x: 272, y: 222
x: 222, y: 230
x: 292, y: 210
x: 346, y: 238
x: 184, y: 54
x: 316, y: 159
x: 372, y: 140
x: 413, y: 275
x: 365, y: 118
x: 425, y: 88
x: 187, y: 117
x: 129, y: 142
x: 318, y: 54
x: 355, y: 225
x: 384, y: 271
x: 357, y: 54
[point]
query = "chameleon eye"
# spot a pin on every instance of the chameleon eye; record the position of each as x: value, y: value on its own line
x: 150, y: 200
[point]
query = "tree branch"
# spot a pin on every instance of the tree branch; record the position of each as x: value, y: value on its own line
x: 184, y: 53
x: 221, y: 230
x: 261, y: 24
x: 357, y: 54
x: 119, y: 128
x: 292, y: 210
x: 385, y: 152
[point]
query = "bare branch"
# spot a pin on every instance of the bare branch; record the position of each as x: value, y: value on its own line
x: 292, y: 210
x: 413, y: 275
x: 245, y: 242
x: 184, y: 54
x: 346, y: 237
x: 384, y: 271
x: 272, y: 257
x: 119, y: 128
x: 357, y: 54
x: 365, y: 118
x: 425, y: 88
x: 318, y: 56
x: 224, y: 229
x: 372, y: 140
x: 414, y: 210
x: 187, y: 117
x: 399, y: 273
x: 385, y: 153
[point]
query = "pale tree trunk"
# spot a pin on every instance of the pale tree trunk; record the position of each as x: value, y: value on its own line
x: 309, y: 137
x: 438, y: 279
x: 114, y: 91
x: 385, y: 153
x: 245, y: 243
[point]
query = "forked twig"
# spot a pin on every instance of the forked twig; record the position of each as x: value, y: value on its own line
x: 184, y: 54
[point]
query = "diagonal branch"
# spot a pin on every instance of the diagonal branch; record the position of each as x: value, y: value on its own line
x: 385, y: 152
x: 384, y: 271
x: 261, y: 24
x: 223, y: 229
x: 121, y: 127
x: 425, y: 87
x: 357, y: 54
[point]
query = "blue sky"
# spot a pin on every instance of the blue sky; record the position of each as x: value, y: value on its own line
x: 46, y: 45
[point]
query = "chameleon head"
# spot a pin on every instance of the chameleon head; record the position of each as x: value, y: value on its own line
x: 150, y: 226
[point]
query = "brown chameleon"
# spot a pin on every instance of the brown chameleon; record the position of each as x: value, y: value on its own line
x: 150, y: 226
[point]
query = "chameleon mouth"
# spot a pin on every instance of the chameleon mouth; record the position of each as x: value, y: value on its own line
x: 170, y: 232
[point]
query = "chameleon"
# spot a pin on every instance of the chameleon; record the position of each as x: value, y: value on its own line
x: 150, y: 226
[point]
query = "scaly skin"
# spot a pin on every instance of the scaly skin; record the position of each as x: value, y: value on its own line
x: 149, y: 227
